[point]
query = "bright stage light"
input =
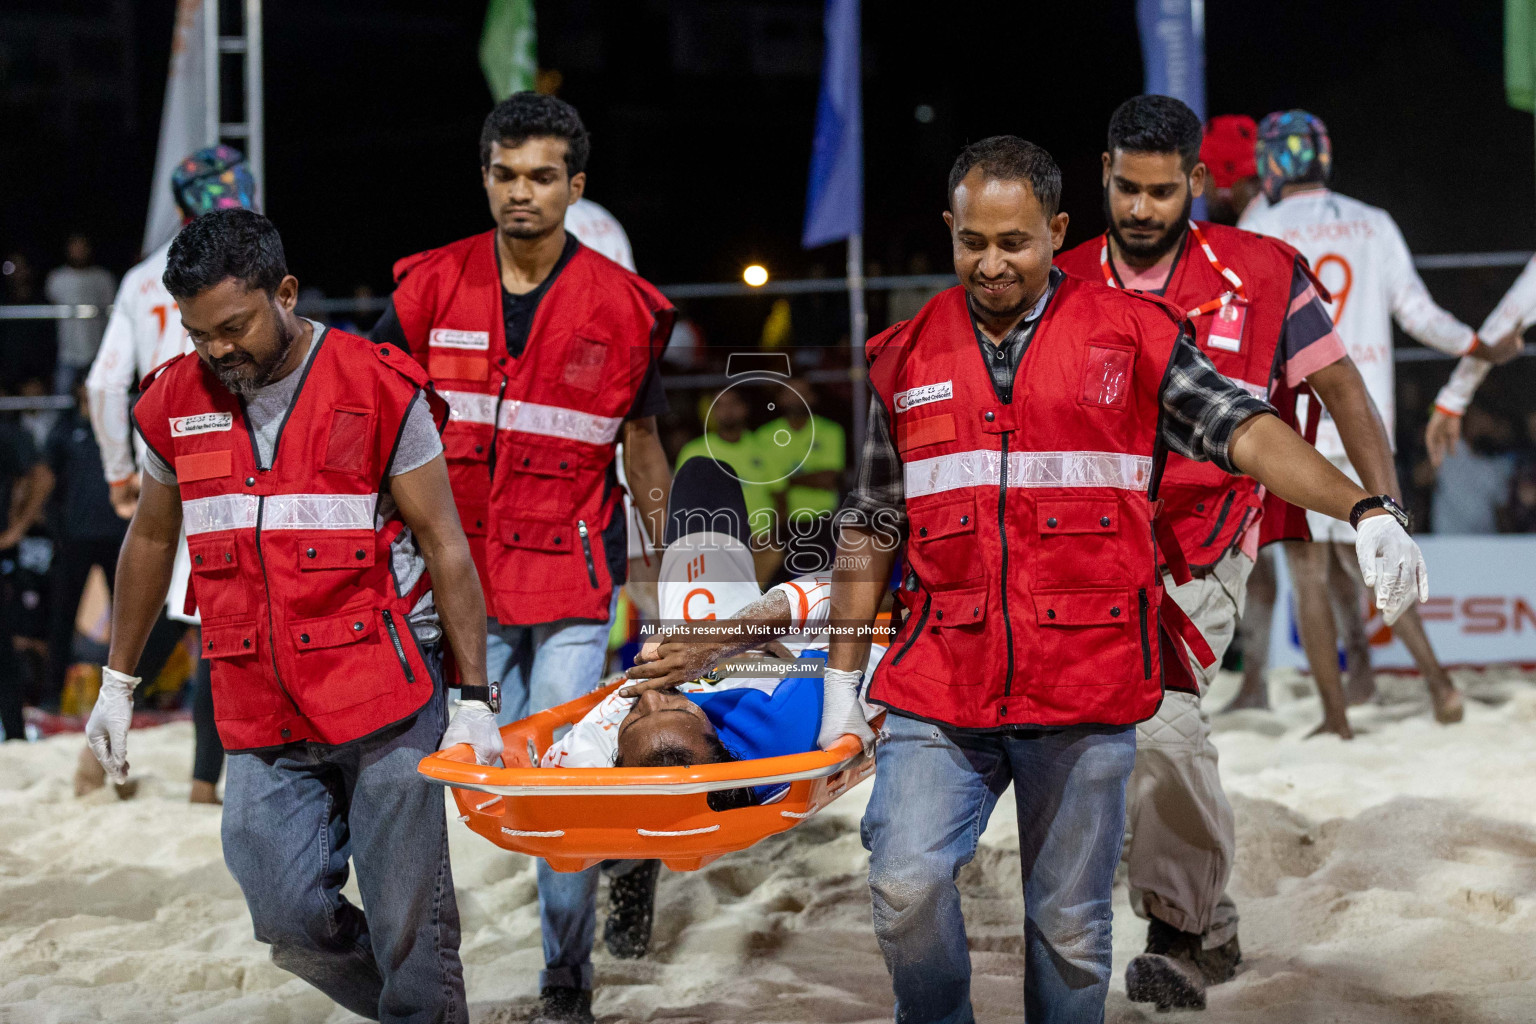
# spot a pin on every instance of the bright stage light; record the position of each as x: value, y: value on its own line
x: 755, y: 275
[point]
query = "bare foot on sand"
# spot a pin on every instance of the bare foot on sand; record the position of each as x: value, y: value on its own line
x: 1340, y: 729
x: 204, y: 793
x: 89, y: 775
x: 1249, y: 698
x: 1448, y: 705
x: 1360, y: 688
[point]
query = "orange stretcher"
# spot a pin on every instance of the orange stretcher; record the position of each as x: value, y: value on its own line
x: 577, y: 817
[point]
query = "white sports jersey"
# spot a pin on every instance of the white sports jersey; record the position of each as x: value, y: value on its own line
x: 143, y: 332
x: 1359, y: 254
x: 1515, y: 312
x: 598, y: 229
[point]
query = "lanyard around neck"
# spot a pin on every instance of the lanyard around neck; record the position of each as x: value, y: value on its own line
x: 1216, y: 265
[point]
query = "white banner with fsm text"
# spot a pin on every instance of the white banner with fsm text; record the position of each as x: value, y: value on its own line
x: 1481, y: 608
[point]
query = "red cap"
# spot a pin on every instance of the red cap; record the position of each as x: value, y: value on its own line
x: 1228, y: 148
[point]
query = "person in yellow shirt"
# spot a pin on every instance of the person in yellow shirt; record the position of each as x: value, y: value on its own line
x: 807, y: 453
x: 728, y: 439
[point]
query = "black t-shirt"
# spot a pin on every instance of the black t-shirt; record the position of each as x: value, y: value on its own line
x: 17, y: 457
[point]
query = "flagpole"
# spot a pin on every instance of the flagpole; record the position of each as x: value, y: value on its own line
x: 858, y: 330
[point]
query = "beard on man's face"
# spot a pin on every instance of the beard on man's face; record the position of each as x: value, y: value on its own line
x: 245, y: 374
x: 1157, y: 246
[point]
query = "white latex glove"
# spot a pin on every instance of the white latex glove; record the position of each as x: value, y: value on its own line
x: 107, y: 728
x: 1391, y: 563
x: 841, y: 710
x: 475, y: 724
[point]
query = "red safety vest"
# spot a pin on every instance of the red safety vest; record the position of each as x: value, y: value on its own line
x: 290, y: 569
x: 530, y: 440
x: 1032, y: 591
x: 1222, y: 271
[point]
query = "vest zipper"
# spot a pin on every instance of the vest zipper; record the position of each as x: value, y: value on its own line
x: 1002, y: 529
x: 922, y: 620
x: 586, y: 547
x: 261, y: 512
x: 394, y: 638
x: 1146, y: 642
x: 490, y: 457
x: 1226, y: 506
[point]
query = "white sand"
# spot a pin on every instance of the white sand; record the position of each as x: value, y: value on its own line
x: 1392, y: 879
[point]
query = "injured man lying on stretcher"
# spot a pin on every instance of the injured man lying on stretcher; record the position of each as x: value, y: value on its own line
x: 771, y: 701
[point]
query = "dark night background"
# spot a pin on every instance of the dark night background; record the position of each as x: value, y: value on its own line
x: 702, y: 111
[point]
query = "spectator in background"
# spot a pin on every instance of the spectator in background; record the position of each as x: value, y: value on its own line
x: 806, y: 452
x: 36, y: 422
x: 24, y: 485
x: 78, y: 282
x: 87, y: 532
x: 686, y: 349
x: 26, y: 346
x: 728, y: 439
x: 1227, y: 151
x: 1520, y: 517
x: 1474, y: 480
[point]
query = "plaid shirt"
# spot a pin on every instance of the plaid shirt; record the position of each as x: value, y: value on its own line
x: 1201, y: 409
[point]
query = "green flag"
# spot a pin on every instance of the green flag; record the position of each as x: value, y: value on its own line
x: 508, y: 47
x: 1520, y: 54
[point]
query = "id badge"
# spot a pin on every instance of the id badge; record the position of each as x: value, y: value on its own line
x: 1227, y: 325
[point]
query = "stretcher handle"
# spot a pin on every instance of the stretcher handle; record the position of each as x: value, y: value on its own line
x: 456, y: 768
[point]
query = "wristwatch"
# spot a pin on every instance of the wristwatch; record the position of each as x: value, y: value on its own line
x: 491, y: 694
x: 1380, y: 501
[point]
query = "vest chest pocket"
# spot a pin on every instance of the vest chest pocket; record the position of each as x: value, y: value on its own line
x: 546, y: 481
x: 216, y: 581
x: 1107, y: 376
x: 942, y: 544
x: 585, y: 369
x: 1079, y: 541
x: 349, y: 444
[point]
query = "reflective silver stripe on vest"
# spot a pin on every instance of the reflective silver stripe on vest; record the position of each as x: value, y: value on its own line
x: 220, y: 512
x: 553, y: 421
x: 470, y: 406
x: 1027, y: 469
x: 284, y: 512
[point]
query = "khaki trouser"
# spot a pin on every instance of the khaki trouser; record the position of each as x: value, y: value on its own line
x: 1179, y: 829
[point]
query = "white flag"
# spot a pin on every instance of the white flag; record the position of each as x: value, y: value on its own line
x: 181, y: 122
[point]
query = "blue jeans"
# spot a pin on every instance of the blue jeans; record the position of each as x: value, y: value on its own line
x: 934, y: 791
x: 294, y: 816
x: 540, y: 666
x: 545, y: 664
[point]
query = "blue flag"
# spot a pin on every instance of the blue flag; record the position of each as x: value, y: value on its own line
x: 1173, y: 54
x: 834, y: 207
x: 1173, y: 50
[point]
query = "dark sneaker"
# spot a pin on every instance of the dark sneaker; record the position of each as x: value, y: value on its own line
x: 560, y: 1005
x: 631, y: 906
x: 1174, y: 971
